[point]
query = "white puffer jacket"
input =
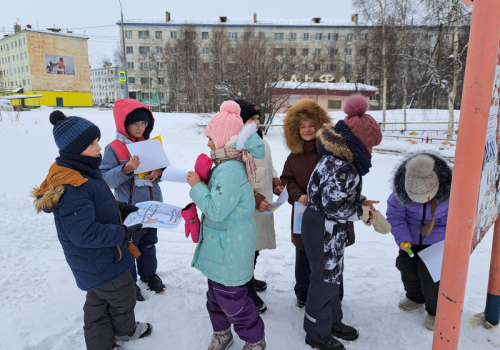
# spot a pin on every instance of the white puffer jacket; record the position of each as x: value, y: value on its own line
x: 266, y: 237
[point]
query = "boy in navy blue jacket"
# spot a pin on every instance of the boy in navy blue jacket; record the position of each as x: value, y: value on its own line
x: 89, y: 227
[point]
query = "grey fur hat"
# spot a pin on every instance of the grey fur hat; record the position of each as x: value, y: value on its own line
x: 421, y: 181
x: 441, y: 167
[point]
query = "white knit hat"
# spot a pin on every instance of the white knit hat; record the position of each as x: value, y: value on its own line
x: 421, y: 181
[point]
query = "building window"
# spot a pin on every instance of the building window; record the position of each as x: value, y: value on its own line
x: 158, y: 35
x: 143, y: 34
x: 232, y: 36
x: 334, y: 104
x: 279, y: 36
x: 144, y: 65
x: 364, y: 36
x: 317, y: 67
x: 160, y: 65
x: 24, y: 82
x: 303, y: 67
x: 131, y: 80
x: 306, y: 36
x: 144, y: 50
x: 293, y: 52
x: 174, y: 50
x: 130, y: 49
x: 305, y: 52
x: 262, y: 35
x: 331, y: 67
x: 173, y: 35
x: 349, y: 37
x: 128, y: 34
x: 161, y: 81
x: 146, y: 95
x: 279, y: 52
x: 233, y: 51
x: 24, y: 40
x: 347, y: 67
x: 317, y: 36
x: 374, y: 98
x: 204, y: 36
x: 348, y: 52
x: 27, y: 70
x: 279, y: 66
x: 317, y: 52
x: 144, y: 81
x: 159, y: 50
x: 293, y: 36
x: 206, y: 66
x: 332, y: 52
x: 205, y: 51
x: 22, y: 69
x: 375, y: 82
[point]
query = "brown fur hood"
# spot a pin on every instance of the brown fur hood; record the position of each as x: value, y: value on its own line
x: 302, y: 110
x: 47, y: 196
x: 334, y: 142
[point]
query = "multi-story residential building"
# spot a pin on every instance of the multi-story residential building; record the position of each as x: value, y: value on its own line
x: 328, y: 46
x: 53, y: 64
x: 105, y: 84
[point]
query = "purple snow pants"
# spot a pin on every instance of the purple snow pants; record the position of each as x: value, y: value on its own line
x: 230, y: 305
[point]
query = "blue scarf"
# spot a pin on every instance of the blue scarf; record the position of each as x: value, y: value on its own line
x: 362, y: 158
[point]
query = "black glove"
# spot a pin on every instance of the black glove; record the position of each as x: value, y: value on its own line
x: 126, y: 209
x: 135, y: 232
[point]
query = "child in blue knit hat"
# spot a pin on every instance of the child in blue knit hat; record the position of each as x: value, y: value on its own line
x: 89, y: 226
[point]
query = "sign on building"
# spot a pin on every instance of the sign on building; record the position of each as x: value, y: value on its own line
x: 59, y: 64
x: 488, y: 205
x: 123, y: 76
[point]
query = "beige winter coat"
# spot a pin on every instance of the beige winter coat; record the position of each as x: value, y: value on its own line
x: 266, y: 237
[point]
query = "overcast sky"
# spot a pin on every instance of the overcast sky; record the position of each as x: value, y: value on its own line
x: 92, y: 13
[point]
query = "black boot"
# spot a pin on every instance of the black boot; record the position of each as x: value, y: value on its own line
x: 138, y: 294
x: 329, y: 343
x: 260, y: 286
x: 258, y: 302
x: 154, y: 283
x: 345, y: 332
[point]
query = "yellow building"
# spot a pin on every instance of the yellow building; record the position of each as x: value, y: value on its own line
x: 53, y: 64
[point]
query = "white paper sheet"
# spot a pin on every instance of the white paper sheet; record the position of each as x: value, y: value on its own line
x: 283, y: 198
x: 151, y: 155
x: 433, y: 259
x: 174, y: 174
x: 298, y: 212
x: 153, y: 214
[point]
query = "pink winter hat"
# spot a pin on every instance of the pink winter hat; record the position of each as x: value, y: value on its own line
x: 362, y: 125
x: 225, y: 124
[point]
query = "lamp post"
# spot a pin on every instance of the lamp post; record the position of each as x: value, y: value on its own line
x: 124, y: 55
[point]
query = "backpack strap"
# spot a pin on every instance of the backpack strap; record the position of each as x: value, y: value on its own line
x: 121, y: 150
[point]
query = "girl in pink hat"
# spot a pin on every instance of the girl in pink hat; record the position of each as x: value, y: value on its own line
x: 226, y: 246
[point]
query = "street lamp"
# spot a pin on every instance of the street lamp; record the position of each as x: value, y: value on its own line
x: 124, y: 55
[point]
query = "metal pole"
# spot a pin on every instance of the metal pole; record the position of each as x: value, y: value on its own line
x: 124, y: 54
x: 408, y: 67
x: 474, y: 114
x: 492, y: 310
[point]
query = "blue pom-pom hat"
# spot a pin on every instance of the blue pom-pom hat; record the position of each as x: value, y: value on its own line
x: 73, y: 134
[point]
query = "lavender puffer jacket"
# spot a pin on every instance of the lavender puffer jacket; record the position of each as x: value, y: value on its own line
x: 407, y: 217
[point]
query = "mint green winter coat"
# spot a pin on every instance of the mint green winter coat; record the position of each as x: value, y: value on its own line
x: 226, y: 249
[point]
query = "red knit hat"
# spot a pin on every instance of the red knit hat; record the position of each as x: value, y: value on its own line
x: 362, y: 125
x: 225, y: 124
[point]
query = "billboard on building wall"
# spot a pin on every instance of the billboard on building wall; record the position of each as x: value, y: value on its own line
x: 488, y: 205
x: 59, y: 64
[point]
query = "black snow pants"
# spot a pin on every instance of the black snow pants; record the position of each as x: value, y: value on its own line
x: 323, y: 308
x: 417, y: 280
x: 109, y: 311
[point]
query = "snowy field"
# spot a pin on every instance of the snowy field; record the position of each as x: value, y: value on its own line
x: 41, y: 307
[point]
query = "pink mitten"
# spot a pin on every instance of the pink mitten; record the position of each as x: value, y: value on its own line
x: 190, y: 216
x: 203, y: 166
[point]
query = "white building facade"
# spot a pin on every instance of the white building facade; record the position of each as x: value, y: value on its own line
x: 105, y: 84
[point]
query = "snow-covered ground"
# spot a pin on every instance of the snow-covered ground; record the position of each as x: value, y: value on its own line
x: 41, y: 307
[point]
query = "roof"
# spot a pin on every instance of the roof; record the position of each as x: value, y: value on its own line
x: 325, y: 86
x: 243, y: 21
x: 114, y: 67
x: 75, y: 36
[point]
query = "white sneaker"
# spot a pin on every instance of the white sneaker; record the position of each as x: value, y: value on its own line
x: 142, y: 329
x: 430, y: 322
x: 406, y: 304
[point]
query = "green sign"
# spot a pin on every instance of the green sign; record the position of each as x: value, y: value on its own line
x: 123, y: 76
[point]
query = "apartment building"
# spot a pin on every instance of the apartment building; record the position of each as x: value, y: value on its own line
x: 105, y: 84
x: 329, y: 45
x: 46, y: 62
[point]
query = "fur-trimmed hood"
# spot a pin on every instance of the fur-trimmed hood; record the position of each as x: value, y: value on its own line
x: 442, y: 168
x: 302, y: 110
x: 334, y: 142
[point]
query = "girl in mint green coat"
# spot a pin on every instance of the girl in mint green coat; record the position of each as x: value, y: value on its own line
x: 226, y: 249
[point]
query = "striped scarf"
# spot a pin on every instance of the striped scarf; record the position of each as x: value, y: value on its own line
x: 222, y: 155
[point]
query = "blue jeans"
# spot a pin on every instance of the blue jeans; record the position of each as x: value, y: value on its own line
x: 146, y: 263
